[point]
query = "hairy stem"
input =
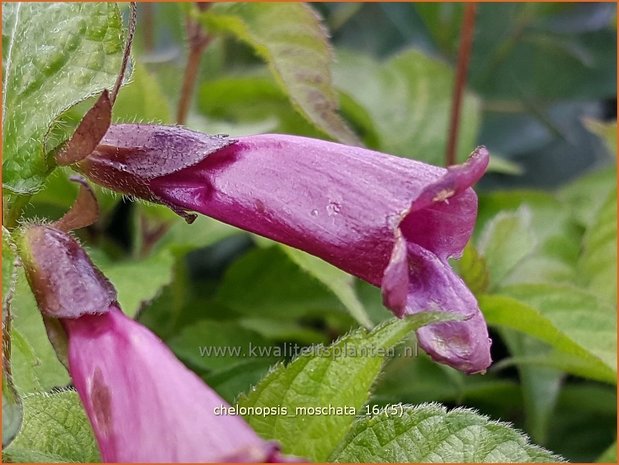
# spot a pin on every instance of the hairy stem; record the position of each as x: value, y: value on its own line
x: 127, y: 52
x: 464, y: 55
x: 7, y: 317
x: 12, y: 208
x: 198, y: 40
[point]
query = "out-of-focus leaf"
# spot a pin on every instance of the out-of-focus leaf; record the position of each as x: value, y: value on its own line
x: 547, y: 140
x: 609, y: 455
x: 607, y: 131
x: 216, y: 345
x: 408, y: 99
x: 180, y: 237
x: 584, y: 422
x: 282, y: 330
x: 379, y: 28
x: 139, y: 281
x: 55, y: 429
x: 53, y: 56
x: 142, y: 100
x: 163, y: 315
x: 280, y: 290
x: 416, y: 379
x: 586, y: 195
x: 505, y: 241
x: 35, y: 365
x: 224, y: 102
x: 443, y: 21
x: 548, y: 214
x: 567, y: 318
x: 12, y: 410
x: 504, y: 166
x: 339, y: 376
x: 372, y: 300
x: 557, y: 237
x: 292, y: 40
x: 233, y: 381
x: 337, y: 281
x: 8, y: 258
x: 504, y: 126
x: 59, y: 192
x: 598, y: 263
x: 428, y: 433
x: 540, y: 385
x: 511, y: 40
x: 574, y: 364
x: 473, y: 269
x: 227, y: 99
x: 264, y: 126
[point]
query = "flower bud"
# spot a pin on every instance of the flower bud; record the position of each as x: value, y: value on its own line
x: 63, y: 279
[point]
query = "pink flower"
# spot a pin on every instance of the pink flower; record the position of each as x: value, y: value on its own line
x: 144, y: 405
x: 391, y: 221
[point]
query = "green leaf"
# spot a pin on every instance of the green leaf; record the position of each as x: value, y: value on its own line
x: 503, y: 165
x: 408, y: 99
x: 586, y: 195
x: 548, y: 214
x: 339, y: 375
x: 55, y: 429
x: 138, y: 281
x: 419, y: 379
x: 473, y: 269
x: 281, y: 290
x: 224, y: 102
x: 142, y: 100
x: 577, y: 365
x: 8, y: 258
x: 512, y: 39
x: 282, y: 330
x: 584, y: 422
x: 598, y: 262
x: 59, y: 192
x: 165, y: 313
x: 233, y: 381
x: 226, y: 99
x: 428, y: 433
x: 340, y: 283
x: 35, y: 365
x: 609, y: 455
x: 557, y: 236
x: 12, y: 410
x: 540, y: 385
x: 443, y: 21
x: 54, y: 55
x: 216, y: 345
x: 606, y: 130
x: 505, y: 241
x: 569, y: 319
x: 181, y: 237
x: 292, y: 40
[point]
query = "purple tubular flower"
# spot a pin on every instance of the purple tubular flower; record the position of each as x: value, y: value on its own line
x: 391, y: 221
x: 144, y: 405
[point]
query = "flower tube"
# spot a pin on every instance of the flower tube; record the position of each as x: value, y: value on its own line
x: 391, y: 221
x: 143, y: 404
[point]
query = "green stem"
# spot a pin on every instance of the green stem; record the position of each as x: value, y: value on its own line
x: 12, y: 209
